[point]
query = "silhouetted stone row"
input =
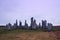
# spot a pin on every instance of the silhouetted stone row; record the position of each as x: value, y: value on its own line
x: 33, y: 25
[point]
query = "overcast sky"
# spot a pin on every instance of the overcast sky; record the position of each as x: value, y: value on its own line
x: 10, y: 10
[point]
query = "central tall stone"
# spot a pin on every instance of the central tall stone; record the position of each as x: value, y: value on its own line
x: 44, y: 24
x: 33, y: 24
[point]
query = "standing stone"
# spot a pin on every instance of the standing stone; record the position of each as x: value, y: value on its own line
x: 16, y: 24
x: 39, y: 25
x: 20, y: 24
x: 34, y: 25
x: 26, y: 25
x: 44, y: 24
x: 8, y: 26
x: 49, y: 26
x: 31, y: 23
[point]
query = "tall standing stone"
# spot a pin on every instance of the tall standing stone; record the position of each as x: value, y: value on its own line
x: 34, y: 25
x: 20, y: 24
x: 16, y: 24
x: 44, y: 24
x: 31, y: 23
x: 26, y: 25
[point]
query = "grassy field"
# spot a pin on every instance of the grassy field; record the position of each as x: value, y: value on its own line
x: 29, y: 35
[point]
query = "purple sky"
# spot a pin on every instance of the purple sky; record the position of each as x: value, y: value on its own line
x: 10, y: 10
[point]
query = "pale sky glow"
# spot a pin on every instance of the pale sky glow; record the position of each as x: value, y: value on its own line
x: 10, y: 10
